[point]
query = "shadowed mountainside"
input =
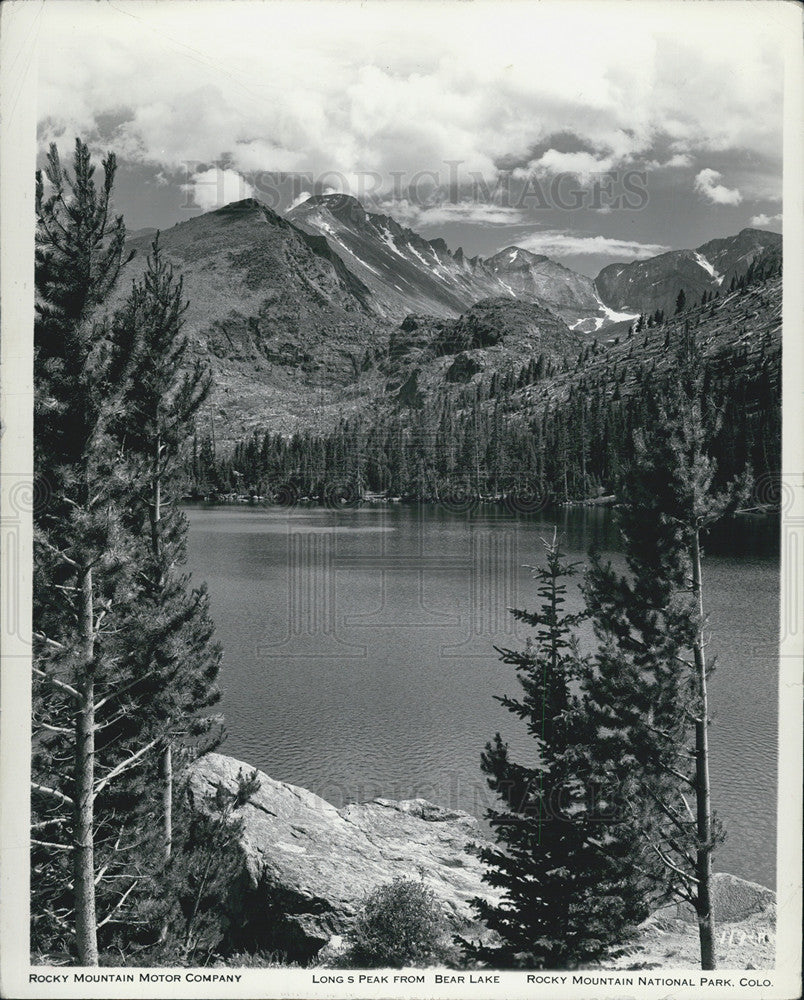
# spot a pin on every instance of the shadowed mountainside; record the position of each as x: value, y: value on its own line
x: 647, y: 285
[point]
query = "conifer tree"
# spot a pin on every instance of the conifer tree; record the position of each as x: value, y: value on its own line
x: 172, y: 645
x: 647, y: 686
x: 81, y: 548
x: 195, y: 903
x: 566, y: 897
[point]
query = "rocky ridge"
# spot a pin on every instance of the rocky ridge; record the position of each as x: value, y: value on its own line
x: 646, y: 285
x: 407, y: 274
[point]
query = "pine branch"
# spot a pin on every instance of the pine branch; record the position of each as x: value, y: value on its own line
x: 121, y: 768
x: 53, y: 793
x: 122, y: 690
x: 61, y: 685
x: 51, y: 845
x: 57, y: 552
x: 677, y: 774
x: 54, y: 729
x: 108, y: 918
x: 55, y: 821
x: 65, y: 926
x: 686, y: 876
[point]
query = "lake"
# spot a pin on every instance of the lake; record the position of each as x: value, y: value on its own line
x: 359, y: 657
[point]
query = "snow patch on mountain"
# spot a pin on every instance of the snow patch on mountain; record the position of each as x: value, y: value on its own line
x: 416, y: 253
x: 388, y: 239
x: 611, y: 315
x: 708, y: 267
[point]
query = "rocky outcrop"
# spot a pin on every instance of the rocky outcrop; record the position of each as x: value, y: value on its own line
x: 308, y: 865
x: 733, y: 899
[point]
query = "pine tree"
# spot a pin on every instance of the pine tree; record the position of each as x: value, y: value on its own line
x: 81, y: 548
x: 194, y: 901
x: 172, y: 645
x: 565, y: 897
x: 647, y: 687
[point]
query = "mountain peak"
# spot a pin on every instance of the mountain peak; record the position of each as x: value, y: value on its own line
x: 344, y: 207
x: 516, y: 255
x: 245, y: 205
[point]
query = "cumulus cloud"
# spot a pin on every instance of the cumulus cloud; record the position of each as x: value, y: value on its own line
x: 555, y: 243
x: 216, y: 187
x: 706, y: 184
x: 361, y: 87
x: 765, y: 220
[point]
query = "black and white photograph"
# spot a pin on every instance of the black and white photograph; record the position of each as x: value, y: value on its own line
x: 402, y: 499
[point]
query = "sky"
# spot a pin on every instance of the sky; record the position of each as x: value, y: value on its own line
x: 593, y: 132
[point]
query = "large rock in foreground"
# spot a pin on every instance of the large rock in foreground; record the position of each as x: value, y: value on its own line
x: 308, y: 865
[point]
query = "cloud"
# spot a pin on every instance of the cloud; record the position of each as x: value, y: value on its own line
x: 765, y: 220
x: 676, y: 160
x: 300, y: 199
x: 478, y: 213
x: 581, y: 164
x: 555, y: 243
x: 216, y: 187
x: 362, y: 88
x: 706, y: 183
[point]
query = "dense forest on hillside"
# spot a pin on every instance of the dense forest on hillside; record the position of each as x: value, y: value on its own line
x: 551, y: 430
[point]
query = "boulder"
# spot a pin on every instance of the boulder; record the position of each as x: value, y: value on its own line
x: 733, y: 899
x: 308, y: 865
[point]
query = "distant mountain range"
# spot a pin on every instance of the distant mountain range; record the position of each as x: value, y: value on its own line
x: 409, y: 274
x: 298, y: 316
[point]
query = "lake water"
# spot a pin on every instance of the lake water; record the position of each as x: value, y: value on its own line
x: 359, y: 657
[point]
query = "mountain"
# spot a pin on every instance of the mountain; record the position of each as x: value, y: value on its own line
x: 537, y: 278
x: 303, y: 324
x: 404, y: 272
x: 497, y: 335
x: 283, y: 323
x: 498, y: 404
x: 407, y: 274
x: 647, y: 285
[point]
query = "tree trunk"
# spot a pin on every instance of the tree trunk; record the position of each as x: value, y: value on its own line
x: 86, y: 931
x: 166, y: 758
x: 706, y: 918
x: 166, y: 776
x: 166, y: 779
